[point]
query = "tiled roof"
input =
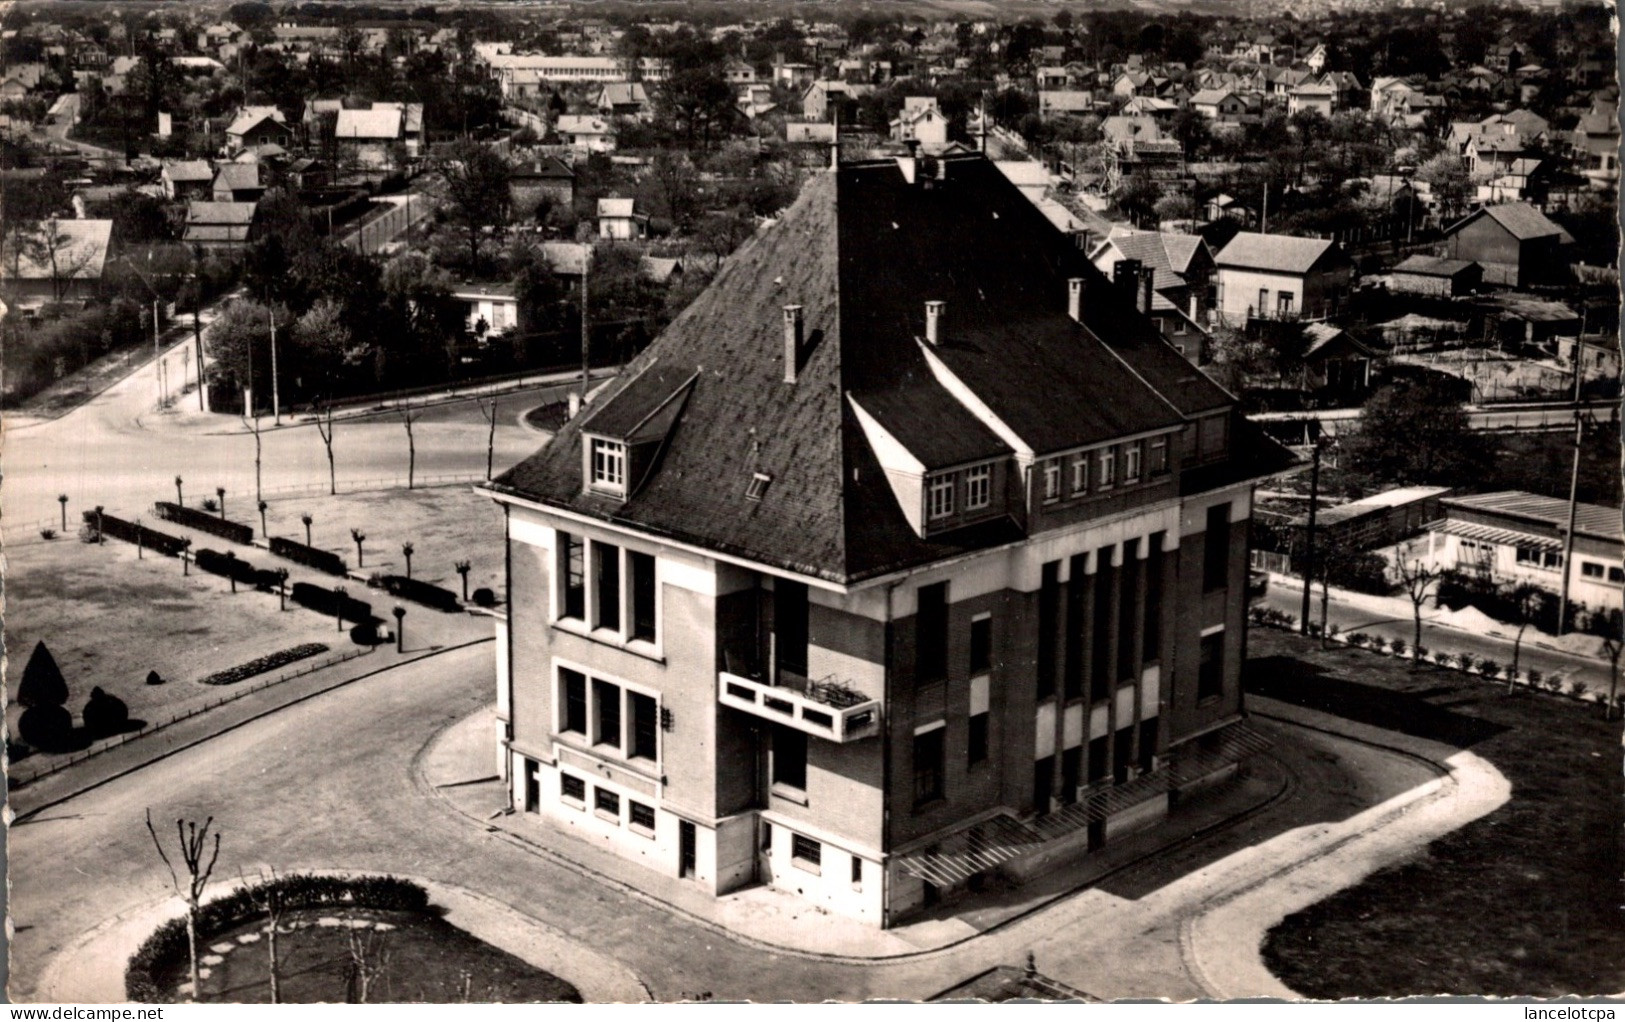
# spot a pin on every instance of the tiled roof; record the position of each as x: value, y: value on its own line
x: 236, y: 176
x: 369, y: 124
x: 189, y: 170
x: 241, y: 213
x: 861, y: 251
x: 1591, y: 519
x: 1281, y: 252
x: 80, y: 248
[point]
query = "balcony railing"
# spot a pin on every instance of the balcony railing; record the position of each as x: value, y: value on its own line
x: 822, y: 708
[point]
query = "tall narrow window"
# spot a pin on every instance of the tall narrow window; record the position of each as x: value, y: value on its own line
x: 1049, y: 605
x: 1158, y: 461
x: 928, y: 766
x: 976, y: 739
x: 1210, y: 672
x: 1052, y: 480
x: 1080, y: 474
x: 931, y: 633
x: 789, y: 758
x: 1108, y: 468
x: 790, y: 626
x: 574, y: 550
x: 575, y: 700
x: 981, y: 645
x: 607, y: 702
x: 1131, y: 463
x: 608, y: 465
x: 1216, y: 549
x: 1151, y: 646
x: 643, y: 595
x: 1071, y: 774
x: 978, y: 487
x: 645, y: 725
x: 940, y: 497
x: 607, y: 585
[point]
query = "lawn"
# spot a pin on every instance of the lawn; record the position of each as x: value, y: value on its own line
x: 1521, y: 902
x: 408, y: 957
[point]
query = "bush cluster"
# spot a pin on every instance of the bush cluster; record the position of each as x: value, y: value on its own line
x: 130, y: 532
x: 269, y: 662
x: 1271, y: 617
x: 52, y: 347
x: 165, y: 950
x: 309, y: 556
x: 420, y: 592
x: 326, y: 601
x: 192, y: 518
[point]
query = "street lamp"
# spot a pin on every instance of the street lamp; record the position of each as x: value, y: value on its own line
x: 220, y: 491
x: 63, y: 500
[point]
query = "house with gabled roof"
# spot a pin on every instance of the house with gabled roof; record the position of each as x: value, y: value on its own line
x: 1277, y: 276
x: 186, y: 179
x: 909, y: 555
x: 63, y: 261
x: 219, y: 224
x: 1180, y: 270
x: 1515, y: 243
x: 238, y: 182
x: 258, y: 125
x: 619, y: 220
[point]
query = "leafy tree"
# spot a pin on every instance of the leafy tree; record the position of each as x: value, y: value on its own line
x: 322, y: 343
x: 1448, y: 178
x: 42, y: 682
x: 240, y: 345
x: 476, y: 183
x: 1416, y: 432
x: 104, y: 715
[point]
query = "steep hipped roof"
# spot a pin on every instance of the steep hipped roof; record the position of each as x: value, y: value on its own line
x: 1280, y: 252
x: 861, y: 251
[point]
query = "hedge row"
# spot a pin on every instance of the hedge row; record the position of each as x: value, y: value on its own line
x: 231, y: 566
x: 130, y: 532
x: 420, y: 592
x: 309, y: 556
x: 165, y: 951
x: 269, y: 662
x: 204, y: 522
x: 326, y: 601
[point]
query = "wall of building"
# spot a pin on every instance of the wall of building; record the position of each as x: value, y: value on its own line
x: 1491, y: 246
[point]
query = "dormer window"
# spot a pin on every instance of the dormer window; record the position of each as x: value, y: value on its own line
x: 940, y: 497
x: 608, y: 466
x: 978, y: 487
x: 1108, y: 468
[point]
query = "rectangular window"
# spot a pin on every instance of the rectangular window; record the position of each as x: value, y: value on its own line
x: 606, y: 802
x: 1179, y: 325
x: 1553, y: 560
x: 806, y: 853
x: 606, y: 560
x: 939, y: 500
x: 1131, y: 463
x: 978, y: 487
x: 1122, y: 753
x: 575, y: 575
x: 928, y: 765
x: 1210, y: 673
x: 767, y: 836
x: 981, y: 645
x: 1616, y: 574
x: 1043, y: 784
x: 1080, y: 474
x: 1216, y: 549
x: 573, y: 788
x: 1158, y: 461
x: 1151, y: 645
x: 1071, y: 774
x: 643, y: 595
x: 1283, y: 303
x: 641, y: 817
x: 1052, y: 480
x: 931, y: 633
x: 1591, y: 569
x: 645, y: 725
x: 1049, y: 605
x: 790, y: 626
x: 857, y: 871
x: 789, y: 758
x: 609, y: 465
x: 1148, y: 743
x: 1263, y: 301
x: 533, y: 786
x: 1108, y: 468
x: 607, y: 701
x: 575, y: 700
x: 976, y: 741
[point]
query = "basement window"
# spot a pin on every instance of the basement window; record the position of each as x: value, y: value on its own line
x: 758, y: 486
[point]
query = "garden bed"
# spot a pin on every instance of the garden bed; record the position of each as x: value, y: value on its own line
x: 1520, y: 902
x: 270, y: 662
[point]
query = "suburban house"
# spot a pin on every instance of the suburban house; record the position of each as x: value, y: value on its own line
x: 1276, y: 276
x: 921, y: 119
x: 1514, y: 242
x: 1181, y: 274
x: 219, y: 224
x: 1320, y: 98
x: 238, y: 182
x: 1596, y: 141
x: 826, y: 94
x: 64, y: 263
x: 619, y: 221
x: 623, y: 99
x: 1221, y: 106
x: 376, y: 137
x: 547, y: 179
x: 490, y: 310
x: 1433, y: 275
x: 186, y: 179
x: 581, y: 131
x: 1334, y: 364
x: 1058, y: 102
x: 1513, y: 537
x: 908, y: 557
x: 258, y: 125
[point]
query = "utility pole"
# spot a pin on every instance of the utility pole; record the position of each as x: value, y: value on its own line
x: 1309, y: 539
x: 586, y: 263
x: 157, y: 361
x: 1264, y: 216
x: 276, y: 401
x: 1574, y: 490
x: 197, y: 341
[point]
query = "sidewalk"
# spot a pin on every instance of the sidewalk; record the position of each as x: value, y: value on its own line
x: 458, y: 769
x: 148, y: 748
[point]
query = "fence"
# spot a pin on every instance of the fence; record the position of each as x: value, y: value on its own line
x: 19, y: 775
x: 383, y: 229
x: 377, y: 483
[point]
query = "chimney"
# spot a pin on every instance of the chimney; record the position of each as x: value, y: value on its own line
x: 1074, y: 298
x: 933, y: 322
x: 1126, y: 275
x: 1196, y: 308
x: 792, y: 342
x: 1148, y: 277
x: 575, y: 404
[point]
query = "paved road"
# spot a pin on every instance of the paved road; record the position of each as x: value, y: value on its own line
x: 1287, y: 595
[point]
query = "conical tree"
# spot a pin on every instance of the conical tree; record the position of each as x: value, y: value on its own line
x: 42, y: 683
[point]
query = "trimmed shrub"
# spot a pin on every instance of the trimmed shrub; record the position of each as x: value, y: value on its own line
x: 421, y: 592
x: 324, y: 601
x: 365, y: 634
x: 1578, y: 689
x: 267, y: 579
x: 154, y: 678
x: 130, y: 532
x: 309, y: 556
x: 42, y: 683
x: 104, y: 715
x: 209, y: 504
x: 269, y: 662
x: 47, y: 533
x: 1489, y: 668
x: 1534, y: 676
x: 166, y: 950
x: 192, y: 518
x: 46, y: 727
x: 484, y: 597
x: 1398, y: 647
x: 217, y: 563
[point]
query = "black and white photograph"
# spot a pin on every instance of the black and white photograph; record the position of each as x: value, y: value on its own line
x: 807, y: 501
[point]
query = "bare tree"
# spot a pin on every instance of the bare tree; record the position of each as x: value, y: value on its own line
x: 490, y: 434
x: 193, y: 841
x: 307, y: 519
x: 267, y: 896
x: 359, y: 537
x: 326, y: 430
x: 1419, y: 580
x: 369, y: 959
x: 407, y: 549
x: 408, y: 416
x: 463, y: 569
